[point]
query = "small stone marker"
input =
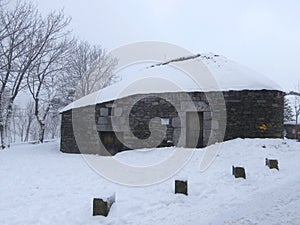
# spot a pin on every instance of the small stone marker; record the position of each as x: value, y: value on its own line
x: 272, y: 163
x: 238, y: 172
x: 102, y: 207
x: 181, y: 187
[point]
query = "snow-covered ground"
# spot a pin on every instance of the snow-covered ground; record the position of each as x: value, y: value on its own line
x: 40, y: 185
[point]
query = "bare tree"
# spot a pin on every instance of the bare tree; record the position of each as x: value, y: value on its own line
x: 34, y: 131
x: 37, y: 54
x: 288, y: 111
x: 90, y: 69
x: 52, y: 124
x: 16, y: 26
x: 27, y: 37
x: 22, y: 118
x: 297, y: 112
x: 29, y: 115
x: 43, y: 80
x: 296, y: 105
x: 18, y: 123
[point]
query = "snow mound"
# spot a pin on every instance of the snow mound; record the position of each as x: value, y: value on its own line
x: 40, y: 185
x: 227, y: 75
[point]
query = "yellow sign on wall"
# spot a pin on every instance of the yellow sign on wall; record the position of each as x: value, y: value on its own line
x: 263, y: 127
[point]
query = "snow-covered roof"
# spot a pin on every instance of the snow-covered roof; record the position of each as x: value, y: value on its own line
x: 228, y: 74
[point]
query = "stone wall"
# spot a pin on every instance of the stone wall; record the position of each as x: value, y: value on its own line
x: 290, y: 130
x: 253, y: 114
x: 67, y: 141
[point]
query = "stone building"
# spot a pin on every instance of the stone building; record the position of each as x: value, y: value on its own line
x: 290, y: 130
x: 155, y: 113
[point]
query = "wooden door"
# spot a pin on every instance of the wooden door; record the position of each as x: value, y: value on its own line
x: 111, y: 142
x: 194, y: 129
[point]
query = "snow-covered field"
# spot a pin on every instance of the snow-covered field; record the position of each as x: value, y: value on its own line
x: 40, y: 185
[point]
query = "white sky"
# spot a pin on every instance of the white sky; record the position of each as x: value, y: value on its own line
x: 263, y: 35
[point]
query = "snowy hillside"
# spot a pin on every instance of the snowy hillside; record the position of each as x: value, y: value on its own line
x: 40, y: 185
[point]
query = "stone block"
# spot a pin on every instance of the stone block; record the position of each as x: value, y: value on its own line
x: 201, y: 106
x: 214, y: 125
x: 104, y: 128
x: 103, y: 121
x: 272, y: 163
x: 238, y: 172
x: 101, y: 207
x: 103, y: 111
x: 181, y: 187
x: 117, y: 111
x: 176, y: 122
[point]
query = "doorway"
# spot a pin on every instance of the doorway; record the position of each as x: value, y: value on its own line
x: 194, y: 129
x: 111, y: 142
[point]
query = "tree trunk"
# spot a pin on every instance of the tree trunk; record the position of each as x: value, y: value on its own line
x: 27, y: 130
x: 2, y: 133
x: 1, y: 125
x: 14, y: 131
x: 41, y: 131
x: 22, y: 135
x: 53, y: 134
x: 2, y: 138
x: 7, y: 122
x: 296, y: 127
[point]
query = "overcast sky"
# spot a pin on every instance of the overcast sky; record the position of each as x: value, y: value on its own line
x: 261, y: 34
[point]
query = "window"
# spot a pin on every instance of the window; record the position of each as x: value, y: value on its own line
x: 164, y: 121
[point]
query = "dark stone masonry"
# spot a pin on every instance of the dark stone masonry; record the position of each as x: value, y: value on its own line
x: 166, y: 119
